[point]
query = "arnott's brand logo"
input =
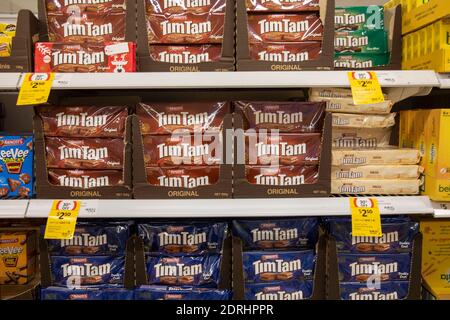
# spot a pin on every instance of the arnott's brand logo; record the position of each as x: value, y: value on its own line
x: 278, y: 117
x: 183, y: 57
x: 185, y: 27
x: 83, y: 153
x: 173, y: 267
x: 280, y: 180
x: 184, y: 118
x: 86, y: 269
x: 181, y: 238
x: 281, y: 149
x: 87, y: 29
x: 276, y: 265
x: 273, y: 234
x: 79, y: 57
x: 183, y: 181
x: 284, y: 25
x: 80, y: 120
x: 283, y: 56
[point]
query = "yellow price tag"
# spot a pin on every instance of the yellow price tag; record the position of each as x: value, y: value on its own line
x: 366, y: 219
x: 365, y: 87
x: 35, y: 88
x: 62, y: 219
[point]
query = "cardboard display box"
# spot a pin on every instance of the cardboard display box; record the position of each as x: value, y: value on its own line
x: 319, y: 270
x: 244, y: 189
x: 323, y: 62
x: 415, y: 278
x: 393, y: 27
x: 22, y: 49
x: 147, y: 64
x: 143, y: 190
x: 45, y: 190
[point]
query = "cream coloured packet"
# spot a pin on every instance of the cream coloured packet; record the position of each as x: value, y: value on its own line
x: 375, y: 186
x: 380, y: 156
x: 360, y: 138
x: 346, y: 120
x: 376, y: 172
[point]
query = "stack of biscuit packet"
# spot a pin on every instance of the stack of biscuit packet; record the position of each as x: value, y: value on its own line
x: 363, y: 161
x: 279, y: 257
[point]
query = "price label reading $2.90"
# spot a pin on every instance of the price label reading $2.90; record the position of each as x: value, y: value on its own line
x: 366, y: 219
x: 62, y: 219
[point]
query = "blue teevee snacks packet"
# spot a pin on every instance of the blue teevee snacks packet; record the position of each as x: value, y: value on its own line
x: 265, y: 266
x: 85, y: 271
x: 58, y: 293
x: 397, y: 237
x: 93, y: 238
x: 277, y: 234
x: 362, y: 267
x: 389, y: 290
x: 16, y: 166
x: 183, y: 239
x: 180, y: 293
x: 184, y: 270
x: 290, y: 290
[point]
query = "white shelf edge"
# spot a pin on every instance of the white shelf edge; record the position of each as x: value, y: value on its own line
x: 9, y: 81
x: 230, y: 208
x: 13, y: 209
x: 441, y: 209
x: 444, y: 80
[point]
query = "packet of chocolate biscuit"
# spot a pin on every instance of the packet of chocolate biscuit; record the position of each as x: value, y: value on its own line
x: 380, y: 172
x: 282, y: 5
x: 282, y: 175
x: 360, y: 138
x: 347, y: 120
x: 350, y: 186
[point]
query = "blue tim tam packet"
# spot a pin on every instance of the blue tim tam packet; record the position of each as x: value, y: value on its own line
x: 362, y: 267
x: 277, y: 234
x: 265, y: 266
x: 201, y: 270
x: 397, y: 237
x: 93, y: 239
x: 290, y: 290
x: 183, y: 239
x: 180, y: 293
x: 84, y: 271
x: 389, y: 290
x: 58, y: 293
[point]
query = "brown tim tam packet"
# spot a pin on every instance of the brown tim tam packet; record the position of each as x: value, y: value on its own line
x: 283, y: 149
x: 282, y: 175
x: 282, y: 5
x: 287, y: 117
x: 85, y: 179
x: 89, y: 153
x: 284, y: 27
x: 186, y: 54
x: 179, y: 149
x: 169, y: 7
x: 286, y: 52
x: 83, y: 121
x: 165, y: 118
x: 186, y: 28
x: 183, y: 176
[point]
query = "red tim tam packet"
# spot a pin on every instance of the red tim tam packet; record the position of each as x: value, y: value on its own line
x: 186, y: 54
x: 190, y: 117
x: 170, y: 7
x: 284, y: 27
x: 282, y: 175
x: 116, y: 57
x: 183, y: 176
x: 282, y: 5
x: 83, y: 121
x: 285, y: 52
x: 283, y: 149
x: 85, y: 179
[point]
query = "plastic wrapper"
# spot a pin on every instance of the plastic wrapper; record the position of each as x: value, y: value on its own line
x: 284, y: 27
x: 84, y: 6
x: 183, y: 176
x: 89, y: 153
x: 382, y: 187
x: 190, y: 117
x: 85, y: 179
x: 345, y: 120
x: 360, y: 138
x: 169, y: 7
x: 83, y: 121
x: 374, y: 172
x: 180, y: 293
x: 186, y: 54
x: 282, y: 5
x: 287, y: 117
x: 382, y: 156
x: 389, y: 290
x: 282, y: 175
x: 290, y: 290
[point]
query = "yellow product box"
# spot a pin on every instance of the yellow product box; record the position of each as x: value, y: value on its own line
x: 436, y: 257
x: 418, y: 125
x: 405, y: 140
x: 438, y: 60
x: 437, y: 189
x: 17, y: 257
x: 418, y: 16
x: 438, y: 133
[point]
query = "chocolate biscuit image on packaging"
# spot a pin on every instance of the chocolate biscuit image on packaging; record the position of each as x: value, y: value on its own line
x: 169, y: 7
x: 186, y: 54
x: 190, y: 117
x: 83, y: 121
x: 284, y: 149
x: 183, y: 176
x: 186, y: 28
x: 361, y: 138
x: 85, y: 179
x: 284, y: 27
x: 286, y: 117
x: 84, y: 6
x: 282, y: 175
x: 89, y: 153
x: 347, y: 120
x: 285, y: 51
x: 182, y: 149
x: 382, y: 156
x: 376, y: 172
x: 282, y: 5
x: 351, y: 186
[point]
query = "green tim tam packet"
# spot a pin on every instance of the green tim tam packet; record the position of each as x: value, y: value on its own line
x: 361, y: 41
x: 360, y: 60
x: 359, y: 18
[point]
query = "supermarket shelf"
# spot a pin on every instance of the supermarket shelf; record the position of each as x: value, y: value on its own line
x: 9, y: 81
x: 229, y: 80
x: 13, y: 209
x: 233, y: 207
x: 441, y: 209
x: 444, y: 80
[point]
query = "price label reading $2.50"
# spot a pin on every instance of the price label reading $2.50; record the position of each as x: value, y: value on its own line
x: 365, y: 87
x: 366, y: 219
x: 62, y: 219
x: 35, y: 88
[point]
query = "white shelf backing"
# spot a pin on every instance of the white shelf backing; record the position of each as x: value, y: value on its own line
x: 227, y: 208
x: 441, y: 209
x: 13, y: 209
x: 444, y: 80
x: 227, y: 80
x: 9, y: 81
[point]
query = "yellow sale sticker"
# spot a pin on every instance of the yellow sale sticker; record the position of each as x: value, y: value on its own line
x: 366, y: 219
x: 35, y: 88
x: 62, y: 219
x: 365, y: 87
